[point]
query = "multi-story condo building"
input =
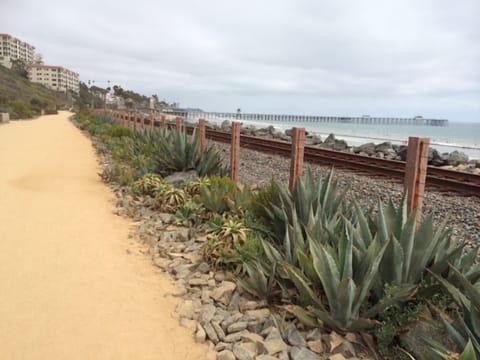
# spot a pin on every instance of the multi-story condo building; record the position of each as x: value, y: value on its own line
x: 54, y: 77
x: 12, y: 48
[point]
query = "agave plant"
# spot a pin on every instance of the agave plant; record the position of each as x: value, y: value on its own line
x: 222, y: 195
x: 147, y: 185
x: 345, y: 277
x: 193, y: 188
x: 467, y: 331
x: 170, y: 200
x: 226, y: 237
x: 410, y: 251
x: 188, y: 214
x: 311, y: 204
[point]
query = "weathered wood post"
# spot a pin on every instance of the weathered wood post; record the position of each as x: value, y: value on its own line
x: 179, y: 123
x: 201, y: 135
x: 142, y: 120
x: 235, y: 151
x: 416, y: 173
x: 296, y: 163
x: 163, y: 123
x: 150, y: 119
x: 135, y: 114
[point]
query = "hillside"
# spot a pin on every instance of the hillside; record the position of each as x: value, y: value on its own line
x: 24, y: 99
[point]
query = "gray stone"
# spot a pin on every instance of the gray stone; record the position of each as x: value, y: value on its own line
x: 330, y: 140
x: 384, y: 147
x: 218, y: 329
x: 244, y: 351
x: 200, y: 334
x: 368, y: 148
x: 198, y: 282
x: 203, y: 267
x: 265, y: 357
x: 234, y: 337
x: 179, y: 179
x: 456, y: 158
x: 337, y: 357
x: 259, y: 314
x: 315, y: 334
x: 252, y: 337
x: 207, y: 312
x: 238, y: 326
x: 222, y: 346
x: 186, y: 309
x: 225, y: 355
x: 340, y: 145
x: 234, y: 304
x: 272, y: 346
x: 224, y: 292
x: 211, y: 333
x: 294, y: 337
x: 302, y: 353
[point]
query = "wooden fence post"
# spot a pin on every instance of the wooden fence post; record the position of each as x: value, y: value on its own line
x: 296, y: 162
x: 235, y: 151
x: 201, y: 135
x: 142, y: 120
x: 179, y: 123
x: 163, y: 123
x: 135, y: 114
x: 416, y: 173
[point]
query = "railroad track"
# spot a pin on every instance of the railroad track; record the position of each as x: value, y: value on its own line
x: 441, y: 179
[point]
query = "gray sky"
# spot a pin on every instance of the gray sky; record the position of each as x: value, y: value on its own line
x: 337, y: 57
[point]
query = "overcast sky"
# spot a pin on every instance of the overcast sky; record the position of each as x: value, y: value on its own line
x: 337, y: 57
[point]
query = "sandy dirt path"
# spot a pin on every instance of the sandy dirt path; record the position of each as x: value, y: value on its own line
x: 72, y: 284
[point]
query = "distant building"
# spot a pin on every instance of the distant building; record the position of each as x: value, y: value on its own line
x: 54, y: 77
x: 12, y: 49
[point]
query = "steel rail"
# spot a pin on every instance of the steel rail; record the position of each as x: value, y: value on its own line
x: 440, y: 179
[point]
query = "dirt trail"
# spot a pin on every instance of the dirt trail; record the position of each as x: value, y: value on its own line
x: 72, y: 284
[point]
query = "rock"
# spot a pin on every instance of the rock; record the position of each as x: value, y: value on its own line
x: 200, y: 334
x: 385, y: 147
x: 222, y: 346
x: 162, y: 263
x: 294, y: 337
x: 207, y: 313
x: 265, y: 357
x: 226, y: 126
x: 330, y: 140
x: 302, y: 353
x: 225, y: 355
x: 316, y: 346
x: 234, y: 304
x: 259, y: 314
x: 218, y: 329
x: 186, y: 309
x: 368, y: 148
x: 272, y: 346
x: 211, y: 333
x: 238, y: 326
x: 198, y: 282
x: 252, y: 337
x: 402, y: 152
x: 189, y: 324
x: 223, y: 293
x: 244, y: 351
x: 179, y: 289
x: 435, y: 158
x: 179, y: 179
x: 203, y: 268
x: 340, y: 145
x: 315, y: 334
x: 456, y: 158
x: 234, y: 337
x: 337, y: 357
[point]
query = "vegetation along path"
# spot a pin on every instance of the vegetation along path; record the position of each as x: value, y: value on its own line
x: 72, y: 284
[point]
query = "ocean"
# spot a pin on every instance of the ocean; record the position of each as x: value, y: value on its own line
x: 464, y: 137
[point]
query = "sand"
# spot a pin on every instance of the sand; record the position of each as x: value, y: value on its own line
x: 73, y: 285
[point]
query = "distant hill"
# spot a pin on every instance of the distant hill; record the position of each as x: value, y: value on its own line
x: 24, y: 99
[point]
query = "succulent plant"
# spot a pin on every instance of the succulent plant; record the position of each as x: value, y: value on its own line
x: 226, y: 237
x: 170, y: 200
x: 147, y: 185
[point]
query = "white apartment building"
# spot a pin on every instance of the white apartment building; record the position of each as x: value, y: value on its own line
x: 12, y: 48
x: 54, y: 77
